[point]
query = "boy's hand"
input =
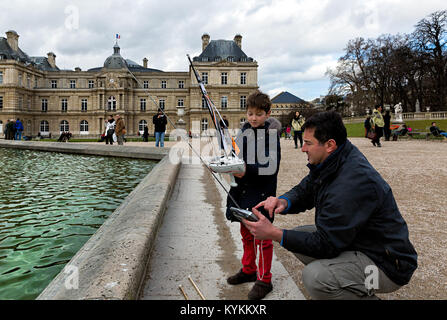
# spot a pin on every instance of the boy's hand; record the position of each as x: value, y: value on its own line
x: 263, y: 229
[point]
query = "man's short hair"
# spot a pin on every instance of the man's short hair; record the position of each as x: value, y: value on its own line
x: 259, y: 100
x: 434, y: 122
x: 328, y: 125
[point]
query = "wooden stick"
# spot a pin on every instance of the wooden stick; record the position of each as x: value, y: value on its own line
x: 197, y: 289
x: 183, y: 292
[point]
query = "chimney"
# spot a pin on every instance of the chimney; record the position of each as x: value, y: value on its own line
x: 145, y: 61
x: 238, y: 40
x: 13, y: 39
x: 205, y: 41
x: 78, y: 69
x: 52, y: 59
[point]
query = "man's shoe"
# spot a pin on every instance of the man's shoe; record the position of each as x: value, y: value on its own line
x: 379, y: 145
x: 259, y: 290
x: 242, y: 277
x: 374, y: 144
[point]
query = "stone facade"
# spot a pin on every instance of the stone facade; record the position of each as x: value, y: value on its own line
x: 49, y: 100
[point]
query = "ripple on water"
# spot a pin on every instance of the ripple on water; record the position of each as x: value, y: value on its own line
x: 50, y: 205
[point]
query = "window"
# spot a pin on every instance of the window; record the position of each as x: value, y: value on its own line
x: 146, y: 84
x: 205, y: 77
x: 204, y: 124
x: 20, y: 102
x: 243, y: 102
x: 84, y: 105
x: 20, y: 79
x: 53, y: 84
x: 72, y: 84
x: 111, y: 104
x: 163, y: 84
x: 180, y: 102
x: 230, y: 59
x: 203, y: 103
x: 44, y: 126
x: 44, y: 105
x: 224, y: 102
x: 64, y: 126
x: 243, y: 77
x: 84, y: 127
x: 181, y: 84
x: 91, y: 84
x: 162, y: 104
x: 224, y: 78
x: 64, y: 105
x: 143, y: 105
x: 36, y: 82
x: 28, y: 81
x: 141, y: 125
x: 1, y: 102
x: 1, y: 77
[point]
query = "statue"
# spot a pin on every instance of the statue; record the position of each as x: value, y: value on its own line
x: 418, y: 106
x: 398, y: 112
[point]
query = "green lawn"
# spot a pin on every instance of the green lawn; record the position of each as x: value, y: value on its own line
x: 358, y: 130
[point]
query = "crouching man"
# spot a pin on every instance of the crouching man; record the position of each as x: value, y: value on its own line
x: 359, y: 244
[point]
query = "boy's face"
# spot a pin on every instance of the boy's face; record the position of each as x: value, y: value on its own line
x: 257, y: 117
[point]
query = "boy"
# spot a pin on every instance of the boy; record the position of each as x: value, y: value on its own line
x: 256, y: 184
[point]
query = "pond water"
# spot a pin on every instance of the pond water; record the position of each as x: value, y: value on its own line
x: 50, y: 205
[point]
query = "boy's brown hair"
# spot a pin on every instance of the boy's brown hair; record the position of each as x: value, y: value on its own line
x: 259, y: 100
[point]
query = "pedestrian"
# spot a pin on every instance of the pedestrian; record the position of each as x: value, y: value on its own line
x: 377, y: 124
x: 9, y: 134
x: 387, y: 127
x: 110, y: 130
x: 254, y: 185
x: 160, y: 122
x: 19, y: 130
x: 288, y: 132
x: 145, y: 133
x: 120, y: 129
x: 436, y: 132
x: 367, y: 125
x: 297, y: 122
x: 359, y: 245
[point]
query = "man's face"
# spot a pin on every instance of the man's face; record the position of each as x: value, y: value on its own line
x: 316, y: 152
x: 257, y: 117
x: 434, y: 124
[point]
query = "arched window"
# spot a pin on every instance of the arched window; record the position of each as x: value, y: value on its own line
x: 44, y: 126
x: 204, y: 124
x: 84, y: 127
x: 141, y: 126
x: 64, y: 126
x: 111, y: 104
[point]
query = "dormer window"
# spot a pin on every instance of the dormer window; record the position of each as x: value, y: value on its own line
x: 230, y: 59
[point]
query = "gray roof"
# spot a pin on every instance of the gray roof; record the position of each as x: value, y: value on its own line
x: 287, y: 97
x: 223, y: 50
x: 116, y: 61
x: 8, y: 53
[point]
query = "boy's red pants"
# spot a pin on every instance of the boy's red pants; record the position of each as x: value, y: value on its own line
x: 249, y: 256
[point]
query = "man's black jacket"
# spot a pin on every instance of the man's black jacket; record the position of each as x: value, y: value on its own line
x: 355, y: 210
x: 160, y: 123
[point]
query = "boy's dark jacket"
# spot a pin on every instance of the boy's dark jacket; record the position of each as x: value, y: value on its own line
x: 260, y: 179
x: 355, y: 210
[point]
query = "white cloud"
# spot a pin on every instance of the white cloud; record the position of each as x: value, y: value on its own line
x: 294, y: 41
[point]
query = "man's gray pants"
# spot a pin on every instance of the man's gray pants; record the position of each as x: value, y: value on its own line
x: 345, y: 277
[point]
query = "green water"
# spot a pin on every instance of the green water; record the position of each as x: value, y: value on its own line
x: 50, y: 205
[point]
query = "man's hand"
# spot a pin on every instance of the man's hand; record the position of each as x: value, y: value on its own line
x: 263, y: 229
x: 273, y: 205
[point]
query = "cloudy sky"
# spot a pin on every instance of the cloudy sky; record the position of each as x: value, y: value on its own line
x: 294, y: 41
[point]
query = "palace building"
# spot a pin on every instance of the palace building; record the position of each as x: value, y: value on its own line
x: 49, y: 100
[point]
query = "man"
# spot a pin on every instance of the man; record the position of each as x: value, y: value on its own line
x: 377, y: 125
x: 160, y: 122
x: 120, y: 129
x: 19, y: 130
x: 359, y: 233
x: 297, y: 124
x: 435, y: 131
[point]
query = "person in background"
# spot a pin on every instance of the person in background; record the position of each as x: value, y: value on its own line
x: 160, y: 122
x: 386, y: 128
x: 120, y: 129
x: 377, y: 124
x: 435, y: 131
x: 110, y: 130
x: 367, y: 125
x: 297, y: 122
x: 145, y: 134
